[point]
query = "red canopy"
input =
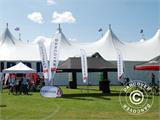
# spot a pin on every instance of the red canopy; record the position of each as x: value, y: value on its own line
x: 147, y: 67
x: 153, y: 64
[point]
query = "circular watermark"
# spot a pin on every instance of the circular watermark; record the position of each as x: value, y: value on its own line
x: 136, y: 97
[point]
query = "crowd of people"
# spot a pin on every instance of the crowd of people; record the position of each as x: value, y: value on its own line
x: 18, y: 85
x: 21, y: 84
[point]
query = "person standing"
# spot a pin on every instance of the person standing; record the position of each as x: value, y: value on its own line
x: 25, y: 85
x: 17, y: 85
x: 12, y: 82
x: 153, y: 79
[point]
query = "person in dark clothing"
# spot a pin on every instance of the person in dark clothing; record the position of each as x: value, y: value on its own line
x: 25, y: 83
x: 12, y: 81
x: 17, y: 86
x: 153, y: 79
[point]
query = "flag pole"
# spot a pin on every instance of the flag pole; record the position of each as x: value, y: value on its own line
x: 1, y: 82
x: 88, y: 86
x: 142, y: 34
x: 102, y: 34
x: 1, y: 90
x: 19, y: 36
x: 7, y: 25
x: 101, y: 30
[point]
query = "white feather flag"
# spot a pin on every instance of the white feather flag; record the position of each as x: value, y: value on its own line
x: 54, y: 55
x: 84, y: 65
x: 120, y: 64
x: 43, y: 55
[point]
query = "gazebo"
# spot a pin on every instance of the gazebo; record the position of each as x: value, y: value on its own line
x: 95, y: 64
x: 153, y: 64
x: 19, y: 68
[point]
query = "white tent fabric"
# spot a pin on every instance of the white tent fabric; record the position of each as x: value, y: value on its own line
x: 136, y: 51
x: 108, y: 44
x: 12, y: 49
x: 19, y: 68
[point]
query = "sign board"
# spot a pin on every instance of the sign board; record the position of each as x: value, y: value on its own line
x: 51, y: 91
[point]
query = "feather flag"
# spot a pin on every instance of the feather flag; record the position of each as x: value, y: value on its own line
x: 120, y: 64
x: 84, y: 65
x: 54, y: 56
x: 43, y: 55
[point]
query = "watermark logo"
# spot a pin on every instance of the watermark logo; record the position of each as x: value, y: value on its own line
x: 136, y: 97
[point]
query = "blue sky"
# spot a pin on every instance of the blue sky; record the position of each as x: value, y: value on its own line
x: 81, y: 19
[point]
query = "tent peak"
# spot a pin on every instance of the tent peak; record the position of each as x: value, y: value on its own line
x: 59, y: 28
x: 7, y: 37
x: 110, y: 27
x: 63, y: 37
x: 157, y: 34
x: 7, y: 25
x: 109, y: 36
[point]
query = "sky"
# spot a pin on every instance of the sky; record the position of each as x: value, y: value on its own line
x: 81, y: 19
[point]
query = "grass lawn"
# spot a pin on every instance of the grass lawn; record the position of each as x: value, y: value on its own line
x: 74, y: 105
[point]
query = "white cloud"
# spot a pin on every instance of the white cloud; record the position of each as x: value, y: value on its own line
x: 64, y: 17
x: 51, y: 2
x: 36, y: 17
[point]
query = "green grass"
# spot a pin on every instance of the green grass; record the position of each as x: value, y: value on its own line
x: 74, y: 105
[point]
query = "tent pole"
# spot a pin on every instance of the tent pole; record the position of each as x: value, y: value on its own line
x: 1, y: 82
x: 87, y: 86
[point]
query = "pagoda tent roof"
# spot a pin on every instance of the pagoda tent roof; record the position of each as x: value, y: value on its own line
x: 153, y: 64
x: 95, y: 64
x: 19, y: 68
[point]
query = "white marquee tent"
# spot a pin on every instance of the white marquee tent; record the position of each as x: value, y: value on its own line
x: 107, y: 46
x: 14, y: 50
